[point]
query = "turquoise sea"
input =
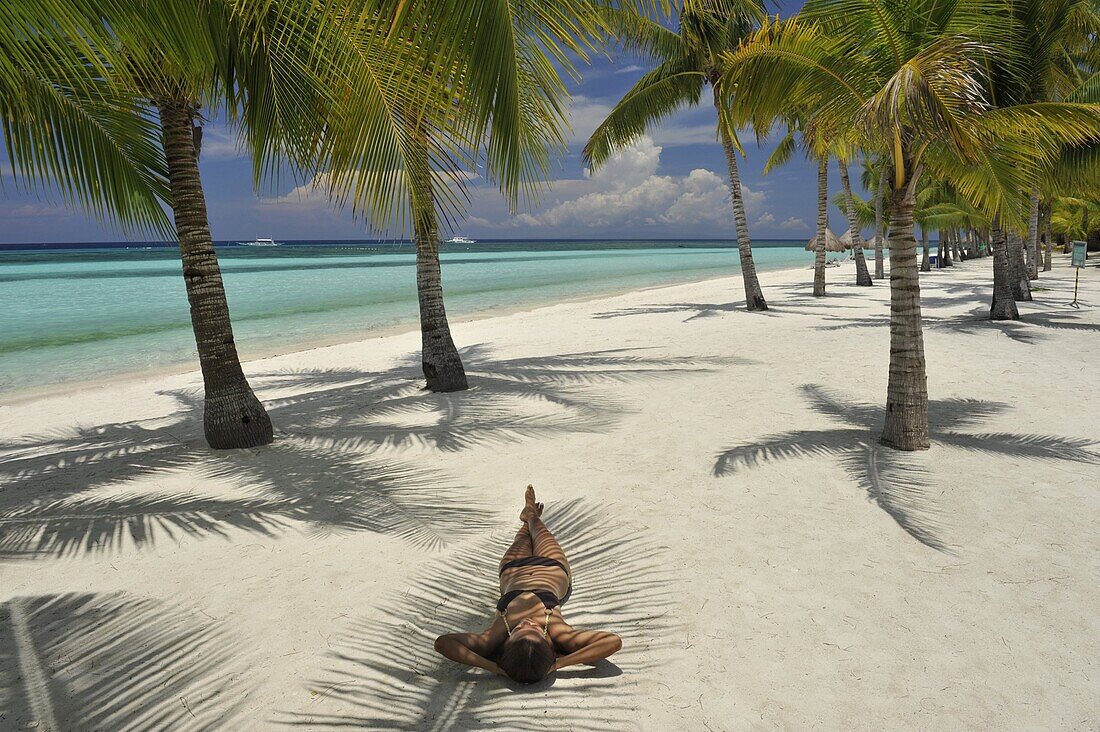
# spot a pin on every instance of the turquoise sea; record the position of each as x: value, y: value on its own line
x: 92, y: 311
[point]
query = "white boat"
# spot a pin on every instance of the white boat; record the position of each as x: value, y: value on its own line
x: 259, y: 243
x: 460, y: 240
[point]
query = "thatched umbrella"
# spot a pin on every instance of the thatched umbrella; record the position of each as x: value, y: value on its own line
x: 832, y: 244
x: 847, y: 241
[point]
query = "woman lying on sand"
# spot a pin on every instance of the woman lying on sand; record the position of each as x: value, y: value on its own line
x: 528, y: 637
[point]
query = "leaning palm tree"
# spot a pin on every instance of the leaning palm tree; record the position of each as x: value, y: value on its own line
x: 495, y: 69
x: 863, y: 277
x: 907, y: 83
x: 687, y: 61
x: 104, y: 103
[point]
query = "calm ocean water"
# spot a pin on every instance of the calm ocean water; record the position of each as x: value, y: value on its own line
x: 86, y: 313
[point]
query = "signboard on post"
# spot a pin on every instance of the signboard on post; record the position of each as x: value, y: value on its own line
x: 1080, y: 253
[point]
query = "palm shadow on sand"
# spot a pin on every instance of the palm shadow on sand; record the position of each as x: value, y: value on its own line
x: 894, y: 480
x: 385, y: 674
x: 1029, y: 330
x: 111, y: 661
x: 330, y: 468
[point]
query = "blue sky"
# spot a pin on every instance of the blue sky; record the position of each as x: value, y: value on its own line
x: 671, y: 184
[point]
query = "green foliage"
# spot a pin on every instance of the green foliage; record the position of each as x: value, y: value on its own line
x: 918, y: 84
x: 687, y: 60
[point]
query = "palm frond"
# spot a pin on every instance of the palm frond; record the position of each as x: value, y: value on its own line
x: 654, y: 97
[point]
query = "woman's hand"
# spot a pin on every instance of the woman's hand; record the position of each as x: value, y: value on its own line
x: 469, y: 648
x: 587, y: 646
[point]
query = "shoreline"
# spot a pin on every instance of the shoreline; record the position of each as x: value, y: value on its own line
x: 686, y: 450
x: 22, y: 396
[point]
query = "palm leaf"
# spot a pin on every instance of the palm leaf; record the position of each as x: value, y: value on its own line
x: 655, y: 96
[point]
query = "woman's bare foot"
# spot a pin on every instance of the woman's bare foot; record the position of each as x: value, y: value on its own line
x: 532, y: 507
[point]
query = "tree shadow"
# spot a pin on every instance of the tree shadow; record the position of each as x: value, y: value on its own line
x: 385, y: 674
x: 88, y: 661
x: 65, y: 492
x: 895, y: 480
x: 694, y: 310
x: 795, y: 305
x: 1028, y: 330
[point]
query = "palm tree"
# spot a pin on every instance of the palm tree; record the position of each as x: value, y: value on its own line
x: 822, y: 225
x: 1054, y: 35
x: 1075, y: 218
x: 688, y: 60
x: 880, y: 229
x: 907, y: 83
x: 863, y: 277
x: 798, y: 137
x: 233, y: 416
x: 939, y: 206
x: 496, y: 70
x: 1048, y: 237
x: 104, y: 103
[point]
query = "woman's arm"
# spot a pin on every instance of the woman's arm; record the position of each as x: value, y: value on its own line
x: 586, y: 646
x: 473, y: 649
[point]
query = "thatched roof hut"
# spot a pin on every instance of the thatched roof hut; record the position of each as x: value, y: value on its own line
x: 832, y: 243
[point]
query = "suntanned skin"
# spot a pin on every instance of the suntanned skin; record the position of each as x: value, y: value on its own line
x: 526, y: 614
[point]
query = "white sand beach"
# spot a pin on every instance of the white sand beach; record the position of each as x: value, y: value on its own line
x: 712, y: 473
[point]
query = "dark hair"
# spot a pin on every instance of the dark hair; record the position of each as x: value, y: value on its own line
x: 526, y: 660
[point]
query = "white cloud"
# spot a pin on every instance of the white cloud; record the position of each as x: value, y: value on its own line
x: 219, y: 144
x: 586, y: 114
x: 766, y: 219
x: 30, y: 210
x: 632, y: 68
x: 794, y: 224
x: 628, y: 191
x: 312, y: 193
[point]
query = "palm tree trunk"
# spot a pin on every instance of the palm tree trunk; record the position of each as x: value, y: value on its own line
x: 439, y: 359
x: 906, y: 425
x: 863, y: 277
x: 1021, y: 284
x: 232, y: 415
x: 880, y: 267
x: 1050, y: 240
x: 945, y: 249
x: 822, y: 225
x: 1003, y: 306
x: 925, y: 266
x: 1033, y: 237
x: 754, y: 296
x: 956, y: 246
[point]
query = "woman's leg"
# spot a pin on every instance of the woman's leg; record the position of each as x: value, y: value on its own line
x: 521, y: 547
x: 545, y: 544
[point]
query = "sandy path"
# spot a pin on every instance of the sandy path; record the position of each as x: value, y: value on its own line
x: 712, y: 473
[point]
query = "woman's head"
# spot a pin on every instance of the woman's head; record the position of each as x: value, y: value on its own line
x: 527, y: 655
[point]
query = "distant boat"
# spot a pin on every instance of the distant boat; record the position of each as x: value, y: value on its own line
x: 460, y: 240
x: 259, y: 243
